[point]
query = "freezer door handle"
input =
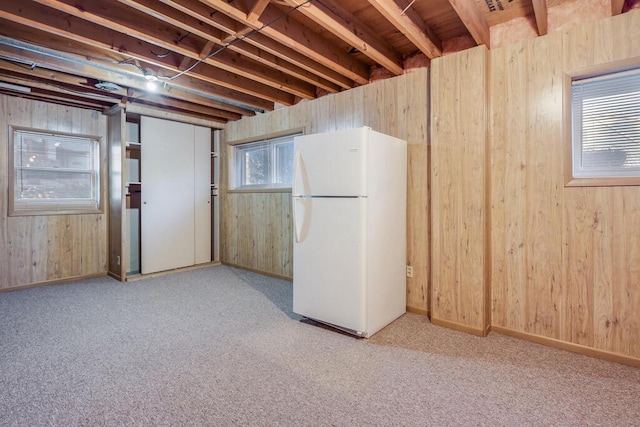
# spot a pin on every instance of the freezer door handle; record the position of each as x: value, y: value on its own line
x: 300, y: 184
x: 296, y: 171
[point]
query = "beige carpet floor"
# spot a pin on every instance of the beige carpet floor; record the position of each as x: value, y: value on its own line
x: 220, y: 347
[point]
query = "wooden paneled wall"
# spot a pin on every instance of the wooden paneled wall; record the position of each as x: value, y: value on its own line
x: 459, y: 230
x: 256, y: 227
x: 40, y: 249
x: 527, y: 147
x: 566, y: 260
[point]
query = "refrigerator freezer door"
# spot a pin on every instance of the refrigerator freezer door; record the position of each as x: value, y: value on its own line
x: 329, y: 264
x: 331, y: 164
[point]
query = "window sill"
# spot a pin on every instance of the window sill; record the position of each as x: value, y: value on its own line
x: 259, y: 190
x: 49, y: 212
x: 603, y: 182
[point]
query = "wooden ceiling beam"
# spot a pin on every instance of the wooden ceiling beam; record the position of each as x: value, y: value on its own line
x: 236, y: 30
x: 39, y: 91
x: 472, y: 18
x: 198, y: 27
x: 258, y: 7
x: 54, y: 78
x: 540, y: 12
x: 77, y: 90
x: 294, y: 35
x: 409, y: 23
x: 347, y: 27
x: 125, y: 22
x: 79, y: 30
x: 54, y: 99
x: 196, y: 89
x: 109, y: 74
x: 148, y: 109
x: 59, y: 92
x: 616, y: 7
x: 164, y: 101
x: 237, y: 35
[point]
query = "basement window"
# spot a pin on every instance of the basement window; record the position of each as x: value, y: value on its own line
x: 262, y: 165
x: 606, y: 129
x: 53, y: 173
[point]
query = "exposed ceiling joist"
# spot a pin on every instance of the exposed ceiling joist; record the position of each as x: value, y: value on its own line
x: 224, y: 59
x: 411, y: 25
x: 235, y: 30
x: 214, y: 36
x: 76, y: 66
x: 350, y: 29
x: 258, y: 7
x: 616, y: 7
x: 294, y: 35
x: 224, y: 83
x: 540, y: 12
x: 249, y: 76
x: 473, y: 19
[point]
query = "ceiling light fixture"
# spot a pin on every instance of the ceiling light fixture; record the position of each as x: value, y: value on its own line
x: 108, y: 86
x: 151, y: 81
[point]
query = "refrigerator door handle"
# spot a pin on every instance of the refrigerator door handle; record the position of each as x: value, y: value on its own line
x: 301, y: 207
x: 296, y: 233
x: 296, y: 171
x: 294, y: 191
x: 300, y: 184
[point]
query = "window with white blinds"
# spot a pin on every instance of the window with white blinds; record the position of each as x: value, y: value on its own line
x: 606, y: 125
x: 54, y: 173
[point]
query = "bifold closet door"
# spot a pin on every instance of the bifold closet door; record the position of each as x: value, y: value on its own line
x: 167, y: 172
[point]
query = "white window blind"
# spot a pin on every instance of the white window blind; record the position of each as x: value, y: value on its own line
x: 606, y: 125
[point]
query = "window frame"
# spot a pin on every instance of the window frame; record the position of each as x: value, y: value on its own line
x: 234, y: 168
x: 57, y: 206
x: 570, y: 78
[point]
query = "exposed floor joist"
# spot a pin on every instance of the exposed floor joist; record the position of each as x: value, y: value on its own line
x: 292, y: 34
x: 411, y: 25
x: 351, y: 30
x: 473, y: 19
x: 241, y: 74
x: 540, y: 12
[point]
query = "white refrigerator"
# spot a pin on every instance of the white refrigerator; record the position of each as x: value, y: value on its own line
x: 349, y: 220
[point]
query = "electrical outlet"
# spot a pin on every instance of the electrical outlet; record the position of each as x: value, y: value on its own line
x: 409, y: 271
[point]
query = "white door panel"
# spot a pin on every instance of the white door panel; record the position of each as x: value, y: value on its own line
x: 328, y: 261
x: 167, y: 224
x: 331, y: 164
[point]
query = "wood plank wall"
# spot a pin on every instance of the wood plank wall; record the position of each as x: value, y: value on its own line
x: 39, y: 249
x: 256, y: 227
x: 459, y: 235
x: 566, y: 260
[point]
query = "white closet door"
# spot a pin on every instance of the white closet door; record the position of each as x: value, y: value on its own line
x: 167, y: 224
x: 202, y: 194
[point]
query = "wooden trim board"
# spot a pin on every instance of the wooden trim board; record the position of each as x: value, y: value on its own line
x: 564, y: 345
x: 54, y: 282
x: 133, y: 278
x: 254, y: 270
x: 462, y: 328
